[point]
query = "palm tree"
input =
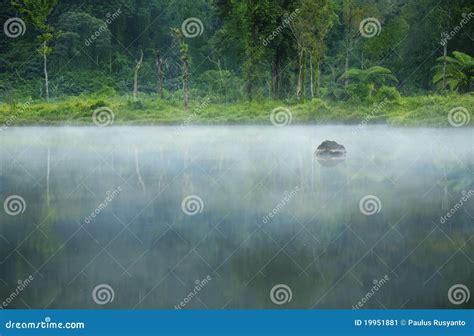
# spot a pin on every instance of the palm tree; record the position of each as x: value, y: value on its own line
x: 363, y: 83
x: 456, y: 72
x: 375, y: 76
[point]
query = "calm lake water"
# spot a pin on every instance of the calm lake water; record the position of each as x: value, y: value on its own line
x: 236, y: 217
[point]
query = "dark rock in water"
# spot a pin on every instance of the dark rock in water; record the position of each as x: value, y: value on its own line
x: 330, y: 148
x: 330, y: 153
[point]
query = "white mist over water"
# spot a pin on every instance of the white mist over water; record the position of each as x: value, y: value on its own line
x: 316, y: 242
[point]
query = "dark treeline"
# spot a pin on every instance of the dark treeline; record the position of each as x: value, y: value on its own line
x: 232, y: 50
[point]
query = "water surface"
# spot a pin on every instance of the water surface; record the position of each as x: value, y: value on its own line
x: 267, y: 213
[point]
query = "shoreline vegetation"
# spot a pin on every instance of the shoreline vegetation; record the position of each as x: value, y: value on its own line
x: 233, y: 62
x: 429, y: 111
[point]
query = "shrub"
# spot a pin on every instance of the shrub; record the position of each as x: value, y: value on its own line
x: 359, y: 92
x: 387, y: 93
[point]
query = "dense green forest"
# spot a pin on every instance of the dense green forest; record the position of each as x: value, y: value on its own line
x: 318, y: 55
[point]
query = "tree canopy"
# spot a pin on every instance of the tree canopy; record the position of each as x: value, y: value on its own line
x: 240, y: 49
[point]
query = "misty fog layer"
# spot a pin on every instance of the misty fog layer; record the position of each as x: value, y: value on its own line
x: 105, y: 206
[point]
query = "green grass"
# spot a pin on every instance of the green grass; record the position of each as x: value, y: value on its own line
x: 148, y: 110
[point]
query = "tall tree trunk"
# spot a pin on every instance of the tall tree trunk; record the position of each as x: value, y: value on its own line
x: 161, y: 74
x: 135, y: 78
x: 249, y: 88
x: 333, y: 73
x: 445, y: 61
x: 346, y: 65
x: 248, y: 69
x: 185, y: 59
x: 45, y: 69
x: 48, y: 171
x: 221, y: 76
x: 185, y: 84
x: 303, y: 79
x: 445, y: 51
x: 276, y: 73
x: 274, y: 83
x: 317, y: 78
x: 137, y: 170
x: 311, y: 83
x: 299, y: 86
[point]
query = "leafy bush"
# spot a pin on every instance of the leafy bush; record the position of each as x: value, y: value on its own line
x: 359, y: 92
x: 459, y: 71
x: 135, y: 105
x: 319, y: 104
x: 97, y: 104
x: 105, y: 92
x: 335, y: 92
x: 388, y: 93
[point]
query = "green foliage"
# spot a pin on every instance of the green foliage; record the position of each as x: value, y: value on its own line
x: 392, y: 33
x: 375, y: 76
x: 83, y: 82
x: 459, y: 71
x: 312, y: 21
x: 285, y: 50
x: 388, y: 93
x: 37, y: 13
x: 364, y: 83
x: 359, y: 92
x: 148, y: 109
x: 221, y: 85
x: 77, y: 32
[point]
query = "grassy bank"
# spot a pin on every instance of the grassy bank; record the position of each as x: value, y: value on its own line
x: 407, y: 111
